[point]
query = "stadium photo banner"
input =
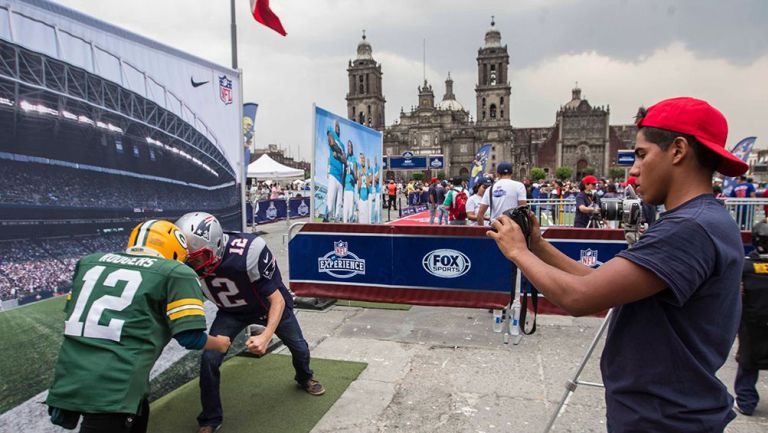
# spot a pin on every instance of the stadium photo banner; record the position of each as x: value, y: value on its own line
x: 346, y: 170
x: 479, y: 165
x: 102, y: 129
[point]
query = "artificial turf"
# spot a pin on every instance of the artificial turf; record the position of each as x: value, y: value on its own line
x: 258, y: 395
x: 374, y: 305
x: 30, y: 337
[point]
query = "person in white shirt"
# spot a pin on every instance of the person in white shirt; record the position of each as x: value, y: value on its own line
x: 503, y: 194
x: 473, y: 202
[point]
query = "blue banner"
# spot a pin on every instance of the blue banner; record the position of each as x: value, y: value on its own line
x: 404, y: 264
x: 268, y: 211
x: 411, y: 210
x: 479, y: 165
x: 435, y: 162
x: 742, y: 149
x: 625, y: 158
x: 408, y: 161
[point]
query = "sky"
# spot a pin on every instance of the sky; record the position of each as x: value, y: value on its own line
x: 622, y: 53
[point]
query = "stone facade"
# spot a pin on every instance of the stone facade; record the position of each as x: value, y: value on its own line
x: 581, y: 136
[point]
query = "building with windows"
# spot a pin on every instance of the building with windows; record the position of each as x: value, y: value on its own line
x: 581, y: 136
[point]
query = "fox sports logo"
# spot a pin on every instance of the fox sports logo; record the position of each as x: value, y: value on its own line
x: 446, y: 263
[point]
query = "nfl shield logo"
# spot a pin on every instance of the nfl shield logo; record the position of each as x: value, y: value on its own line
x: 589, y: 257
x: 340, y: 248
x: 225, y: 89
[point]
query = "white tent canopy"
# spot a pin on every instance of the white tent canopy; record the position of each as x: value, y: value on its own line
x: 267, y: 168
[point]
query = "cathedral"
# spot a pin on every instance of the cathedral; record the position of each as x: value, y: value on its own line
x: 581, y: 137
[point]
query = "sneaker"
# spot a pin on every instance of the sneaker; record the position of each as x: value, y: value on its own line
x: 209, y: 428
x: 742, y: 411
x: 313, y: 387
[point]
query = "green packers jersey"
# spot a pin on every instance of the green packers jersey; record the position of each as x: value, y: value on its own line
x: 121, y: 313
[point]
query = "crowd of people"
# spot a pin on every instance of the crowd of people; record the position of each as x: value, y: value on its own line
x: 71, y: 187
x: 29, y: 267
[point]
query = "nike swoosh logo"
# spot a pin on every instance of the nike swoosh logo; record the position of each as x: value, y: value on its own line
x: 196, y: 83
x: 266, y: 258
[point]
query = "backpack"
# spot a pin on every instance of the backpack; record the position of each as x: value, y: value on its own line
x: 458, y: 209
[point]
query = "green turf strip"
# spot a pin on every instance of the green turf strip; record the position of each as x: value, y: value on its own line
x: 258, y: 395
x: 375, y: 305
x: 30, y: 337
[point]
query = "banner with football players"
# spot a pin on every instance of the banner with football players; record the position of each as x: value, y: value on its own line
x: 346, y: 170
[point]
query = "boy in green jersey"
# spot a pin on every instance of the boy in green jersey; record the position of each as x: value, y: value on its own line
x: 122, y: 311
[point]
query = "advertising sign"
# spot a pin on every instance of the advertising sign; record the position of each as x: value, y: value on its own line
x: 435, y: 162
x: 436, y: 266
x: 625, y: 158
x: 346, y: 170
x: 479, y: 165
x: 103, y: 129
x: 407, y: 161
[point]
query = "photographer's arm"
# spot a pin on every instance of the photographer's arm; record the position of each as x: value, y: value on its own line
x: 616, y: 282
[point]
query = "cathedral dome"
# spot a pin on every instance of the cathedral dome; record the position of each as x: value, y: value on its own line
x: 449, y: 101
x: 492, y: 36
x: 364, y: 50
x: 450, y: 104
x: 575, y: 98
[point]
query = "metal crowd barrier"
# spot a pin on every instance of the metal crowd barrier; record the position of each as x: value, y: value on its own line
x: 560, y: 212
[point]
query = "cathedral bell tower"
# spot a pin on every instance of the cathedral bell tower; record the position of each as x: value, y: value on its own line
x: 492, y: 88
x: 365, y: 99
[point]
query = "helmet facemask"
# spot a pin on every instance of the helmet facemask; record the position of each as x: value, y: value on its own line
x: 203, y: 261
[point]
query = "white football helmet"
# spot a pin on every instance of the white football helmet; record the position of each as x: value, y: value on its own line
x: 205, y: 241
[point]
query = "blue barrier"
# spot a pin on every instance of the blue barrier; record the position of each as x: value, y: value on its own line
x: 277, y: 210
x: 434, y: 265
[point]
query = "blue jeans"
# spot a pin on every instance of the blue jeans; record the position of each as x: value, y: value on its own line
x: 231, y: 325
x: 442, y: 214
x: 432, y: 209
x: 746, y: 391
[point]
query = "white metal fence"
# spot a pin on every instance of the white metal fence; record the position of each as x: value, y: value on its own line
x: 560, y: 212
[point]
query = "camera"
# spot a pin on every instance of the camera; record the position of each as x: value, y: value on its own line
x: 522, y: 216
x: 628, y: 210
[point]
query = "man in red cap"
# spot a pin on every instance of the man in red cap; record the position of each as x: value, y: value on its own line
x: 675, y: 293
x: 586, y: 209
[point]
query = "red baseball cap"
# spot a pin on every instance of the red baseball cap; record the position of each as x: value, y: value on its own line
x: 434, y: 179
x: 589, y: 179
x: 631, y: 180
x: 698, y: 118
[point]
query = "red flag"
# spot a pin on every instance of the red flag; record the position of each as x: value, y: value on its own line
x: 263, y: 14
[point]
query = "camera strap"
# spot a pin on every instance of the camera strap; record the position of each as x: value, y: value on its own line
x: 528, y: 287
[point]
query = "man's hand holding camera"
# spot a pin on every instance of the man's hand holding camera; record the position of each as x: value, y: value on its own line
x: 509, y: 237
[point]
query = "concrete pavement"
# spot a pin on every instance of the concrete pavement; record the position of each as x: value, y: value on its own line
x: 433, y: 369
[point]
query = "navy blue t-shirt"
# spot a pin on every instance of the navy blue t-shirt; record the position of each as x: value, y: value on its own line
x: 581, y: 219
x: 245, y: 278
x: 662, y: 352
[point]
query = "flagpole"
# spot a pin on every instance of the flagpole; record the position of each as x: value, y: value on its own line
x: 234, y: 34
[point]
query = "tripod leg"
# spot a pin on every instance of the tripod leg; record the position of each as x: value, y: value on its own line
x: 570, y: 386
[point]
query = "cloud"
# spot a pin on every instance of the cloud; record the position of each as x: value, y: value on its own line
x: 623, y: 53
x: 737, y: 90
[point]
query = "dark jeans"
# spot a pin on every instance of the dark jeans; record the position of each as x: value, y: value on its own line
x: 392, y: 204
x: 746, y: 391
x: 116, y: 422
x: 231, y: 325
